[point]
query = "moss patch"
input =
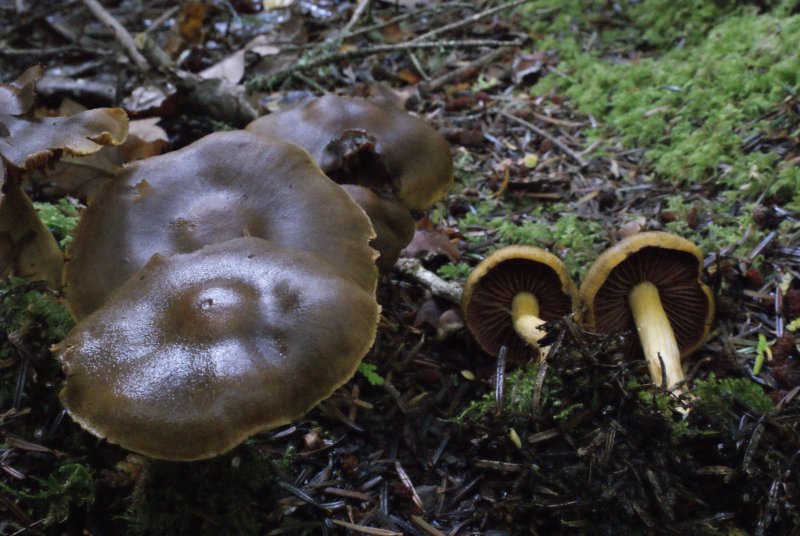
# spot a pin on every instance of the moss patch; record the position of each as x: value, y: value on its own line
x: 693, y: 106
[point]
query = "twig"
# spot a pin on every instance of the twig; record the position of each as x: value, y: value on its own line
x: 469, y: 20
x: 555, y: 141
x: 413, y: 269
x: 425, y: 526
x: 122, y: 35
x: 156, y: 24
x: 365, y: 530
x: 500, y: 379
x: 406, y: 480
x: 361, y: 7
x: 262, y: 83
x: 309, y: 82
x: 482, y: 61
x: 49, y: 51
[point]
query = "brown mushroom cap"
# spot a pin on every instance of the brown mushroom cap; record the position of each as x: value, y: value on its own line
x: 673, y: 264
x: 493, y: 284
x: 392, y: 221
x: 378, y: 146
x: 198, y: 351
x: 225, y: 185
x: 27, y: 248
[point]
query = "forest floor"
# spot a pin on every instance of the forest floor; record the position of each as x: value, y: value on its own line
x: 573, y: 124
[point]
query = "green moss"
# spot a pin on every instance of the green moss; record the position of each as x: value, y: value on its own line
x: 370, y: 372
x: 717, y: 397
x: 32, y: 314
x: 713, y: 226
x: 690, y: 107
x: 60, y: 218
x: 68, y: 485
x: 518, y: 397
x: 34, y: 319
x: 456, y: 271
x: 574, y: 239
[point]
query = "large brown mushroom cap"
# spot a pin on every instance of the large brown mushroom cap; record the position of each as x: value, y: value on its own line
x: 360, y: 142
x: 673, y: 264
x: 198, y: 351
x: 225, y: 185
x: 392, y: 221
x: 493, y: 284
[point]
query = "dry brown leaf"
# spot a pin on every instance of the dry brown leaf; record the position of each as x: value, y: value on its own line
x: 145, y: 139
x: 632, y: 227
x: 409, y: 76
x: 230, y: 69
x: 427, y: 245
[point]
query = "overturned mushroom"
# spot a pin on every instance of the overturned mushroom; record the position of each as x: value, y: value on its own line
x: 198, y: 351
x: 511, y: 293
x: 356, y: 141
x: 649, y: 283
x: 225, y: 185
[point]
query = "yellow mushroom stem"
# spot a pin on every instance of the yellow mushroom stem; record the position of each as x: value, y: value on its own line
x: 655, y: 334
x: 525, y: 315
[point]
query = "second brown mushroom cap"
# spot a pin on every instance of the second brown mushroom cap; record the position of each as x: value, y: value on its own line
x: 223, y: 186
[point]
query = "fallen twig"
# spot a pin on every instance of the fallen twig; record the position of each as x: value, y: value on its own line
x: 361, y: 7
x: 482, y: 61
x: 413, y: 269
x: 543, y: 133
x: 122, y: 35
x: 469, y: 20
x: 262, y: 83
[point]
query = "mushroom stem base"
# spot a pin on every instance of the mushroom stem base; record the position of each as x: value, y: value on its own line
x: 527, y: 324
x: 655, y: 334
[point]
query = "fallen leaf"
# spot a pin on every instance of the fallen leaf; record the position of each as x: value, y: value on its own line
x: 427, y: 245
x: 632, y: 227
x: 230, y: 69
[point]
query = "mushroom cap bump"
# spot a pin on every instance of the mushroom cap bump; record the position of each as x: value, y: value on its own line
x: 378, y: 146
x: 673, y: 265
x: 223, y: 186
x: 199, y: 350
x: 505, y: 274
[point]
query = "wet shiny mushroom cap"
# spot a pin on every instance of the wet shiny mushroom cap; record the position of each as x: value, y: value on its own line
x: 392, y: 221
x: 671, y: 263
x: 356, y: 141
x: 198, y: 351
x: 493, y: 285
x: 223, y: 186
